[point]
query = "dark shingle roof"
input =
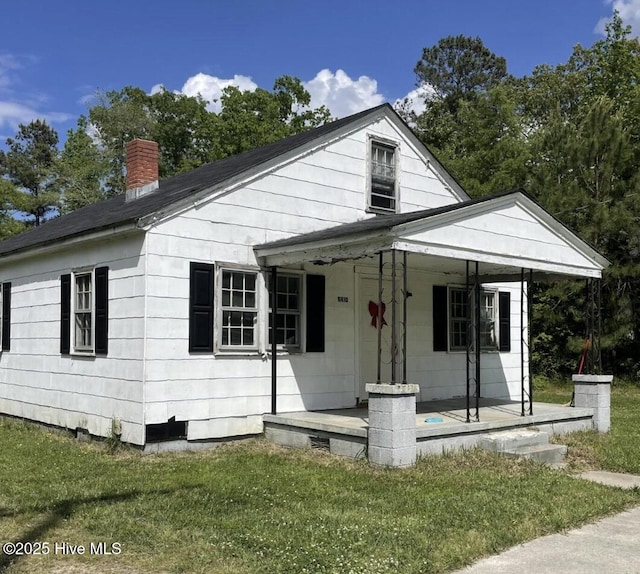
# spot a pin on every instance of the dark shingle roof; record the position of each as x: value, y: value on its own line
x: 115, y: 212
x: 377, y: 223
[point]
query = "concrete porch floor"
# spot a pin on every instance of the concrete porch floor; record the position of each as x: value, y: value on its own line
x: 447, y: 429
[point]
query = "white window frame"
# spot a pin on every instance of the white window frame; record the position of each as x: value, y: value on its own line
x: 221, y: 309
x: 77, y: 348
x: 300, y: 313
x: 494, y: 346
x: 374, y: 141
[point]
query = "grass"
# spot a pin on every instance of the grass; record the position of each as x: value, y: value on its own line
x: 618, y: 450
x: 255, y: 508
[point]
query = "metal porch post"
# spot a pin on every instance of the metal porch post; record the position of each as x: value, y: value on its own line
x: 404, y: 317
x: 599, y: 323
x: 469, y: 334
x: 594, y: 326
x: 522, y: 328
x: 525, y: 343
x: 529, y: 315
x: 274, y: 346
x: 394, y: 345
x: 478, y: 344
x: 379, y: 322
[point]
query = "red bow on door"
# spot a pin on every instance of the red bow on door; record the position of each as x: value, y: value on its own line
x: 373, y: 311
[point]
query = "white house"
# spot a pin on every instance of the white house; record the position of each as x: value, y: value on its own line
x: 154, y: 308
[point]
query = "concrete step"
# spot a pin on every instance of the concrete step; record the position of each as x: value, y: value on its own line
x: 547, y: 453
x: 510, y: 440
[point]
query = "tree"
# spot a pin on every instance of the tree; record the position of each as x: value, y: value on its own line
x: 584, y: 174
x: 251, y: 119
x: 188, y: 135
x: 471, y: 117
x: 458, y: 67
x: 486, y: 148
x: 8, y: 224
x: 117, y: 118
x: 185, y: 131
x: 82, y: 170
x: 30, y: 165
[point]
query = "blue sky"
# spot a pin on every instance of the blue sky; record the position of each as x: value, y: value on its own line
x: 351, y: 54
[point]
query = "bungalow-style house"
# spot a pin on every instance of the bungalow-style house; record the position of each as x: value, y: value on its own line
x: 153, y: 312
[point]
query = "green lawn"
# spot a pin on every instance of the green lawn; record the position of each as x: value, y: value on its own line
x: 252, y: 507
x: 618, y: 450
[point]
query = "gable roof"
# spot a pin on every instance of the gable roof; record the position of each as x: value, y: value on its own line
x: 539, y: 241
x: 383, y: 222
x: 116, y: 212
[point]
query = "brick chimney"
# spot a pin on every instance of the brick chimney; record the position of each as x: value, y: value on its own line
x: 142, y: 168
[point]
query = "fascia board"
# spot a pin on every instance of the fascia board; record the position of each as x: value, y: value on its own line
x: 322, y: 244
x: 516, y: 262
x: 326, y: 251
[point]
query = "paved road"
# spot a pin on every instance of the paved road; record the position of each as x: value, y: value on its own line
x: 610, y: 546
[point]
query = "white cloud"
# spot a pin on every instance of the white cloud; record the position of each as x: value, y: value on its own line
x: 210, y: 87
x: 157, y: 88
x: 338, y: 91
x: 629, y: 11
x: 414, y: 100
x: 13, y: 113
x: 8, y: 64
x: 341, y: 94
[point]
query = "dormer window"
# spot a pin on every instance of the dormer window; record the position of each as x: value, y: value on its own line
x: 383, y: 195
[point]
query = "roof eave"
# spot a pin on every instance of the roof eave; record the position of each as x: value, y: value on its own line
x: 70, y: 241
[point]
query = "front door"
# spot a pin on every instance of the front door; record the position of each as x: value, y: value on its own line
x: 368, y: 318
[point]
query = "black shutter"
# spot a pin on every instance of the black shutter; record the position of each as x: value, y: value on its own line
x: 315, y: 313
x: 102, y: 310
x: 440, y: 318
x: 6, y: 316
x: 201, y: 308
x: 505, y: 321
x: 65, y: 314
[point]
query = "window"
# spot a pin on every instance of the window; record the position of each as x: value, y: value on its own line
x: 488, y: 320
x: 83, y: 312
x: 237, y: 319
x: 383, y: 196
x: 458, y: 318
x: 458, y: 302
x: 239, y: 304
x: 288, y: 298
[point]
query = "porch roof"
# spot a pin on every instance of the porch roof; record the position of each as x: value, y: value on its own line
x: 505, y: 233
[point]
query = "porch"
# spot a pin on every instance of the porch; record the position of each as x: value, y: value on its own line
x: 440, y: 425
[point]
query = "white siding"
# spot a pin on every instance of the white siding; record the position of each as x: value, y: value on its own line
x: 221, y: 394
x: 37, y: 382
